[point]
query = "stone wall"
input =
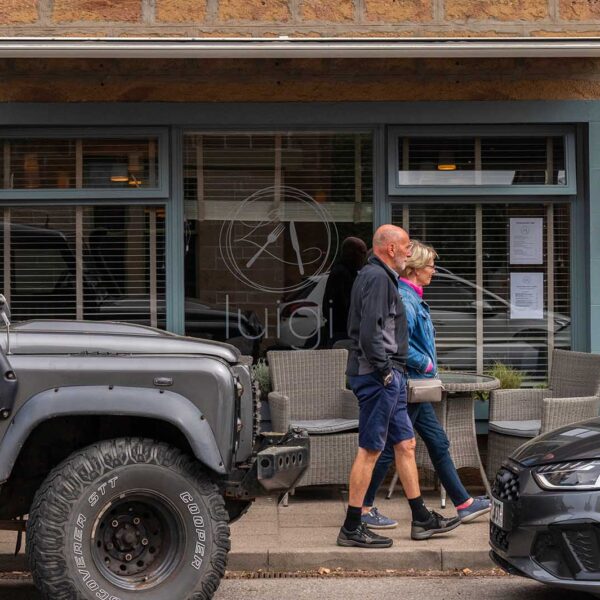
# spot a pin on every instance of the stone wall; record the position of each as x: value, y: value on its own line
x: 339, y: 18
x: 97, y: 80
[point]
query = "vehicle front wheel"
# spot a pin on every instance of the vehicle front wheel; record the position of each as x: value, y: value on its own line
x: 128, y: 519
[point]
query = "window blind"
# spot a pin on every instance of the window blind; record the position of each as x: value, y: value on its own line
x: 491, y: 160
x: 79, y: 163
x: 86, y: 262
x: 461, y: 305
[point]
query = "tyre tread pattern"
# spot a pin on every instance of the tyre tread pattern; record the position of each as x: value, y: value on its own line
x: 51, y: 510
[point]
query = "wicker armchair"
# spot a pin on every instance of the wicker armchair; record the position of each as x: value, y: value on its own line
x: 309, y: 391
x: 518, y: 415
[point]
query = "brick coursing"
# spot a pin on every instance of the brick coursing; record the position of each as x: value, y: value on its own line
x: 273, y: 11
x: 96, y: 10
x: 303, y: 18
x: 180, y: 11
x: 579, y: 10
x: 18, y: 12
x: 398, y: 11
x: 499, y: 10
x: 328, y: 11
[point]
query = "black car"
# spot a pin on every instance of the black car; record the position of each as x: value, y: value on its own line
x: 545, y: 520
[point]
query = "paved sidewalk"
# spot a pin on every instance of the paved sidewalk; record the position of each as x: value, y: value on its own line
x: 302, y: 536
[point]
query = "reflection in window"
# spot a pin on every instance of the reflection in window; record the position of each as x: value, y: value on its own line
x: 499, y: 160
x: 265, y: 217
x: 42, y: 163
x: 459, y: 304
x: 117, y: 163
x: 120, y: 274
x: 89, y: 163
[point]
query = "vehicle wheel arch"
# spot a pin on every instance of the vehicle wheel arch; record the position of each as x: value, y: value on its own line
x: 55, y: 439
x: 113, y: 401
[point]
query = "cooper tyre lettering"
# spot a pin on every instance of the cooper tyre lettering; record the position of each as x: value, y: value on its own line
x: 128, y: 519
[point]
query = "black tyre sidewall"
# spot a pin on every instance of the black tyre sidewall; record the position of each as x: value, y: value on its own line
x: 191, y: 510
x: 67, y: 506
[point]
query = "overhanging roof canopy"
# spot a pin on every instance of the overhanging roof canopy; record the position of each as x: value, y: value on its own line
x: 288, y: 47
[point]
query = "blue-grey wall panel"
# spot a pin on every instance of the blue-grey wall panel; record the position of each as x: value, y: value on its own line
x: 225, y: 115
x: 595, y: 324
x: 594, y: 234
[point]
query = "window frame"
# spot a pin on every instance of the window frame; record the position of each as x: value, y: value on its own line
x: 396, y: 132
x: 77, y: 194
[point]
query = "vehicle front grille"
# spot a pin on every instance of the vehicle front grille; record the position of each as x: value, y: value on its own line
x: 499, y: 537
x: 256, y: 410
x: 569, y: 551
x: 583, y: 543
x: 506, y: 485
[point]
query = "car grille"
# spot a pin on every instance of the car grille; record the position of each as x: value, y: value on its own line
x: 499, y: 537
x: 256, y: 406
x: 569, y: 551
x: 583, y: 543
x: 505, y: 488
x: 506, y: 485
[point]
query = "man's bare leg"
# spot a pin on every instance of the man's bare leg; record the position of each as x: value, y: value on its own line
x: 406, y: 465
x: 360, y: 475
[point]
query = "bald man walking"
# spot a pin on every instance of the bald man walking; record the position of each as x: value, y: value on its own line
x: 377, y: 374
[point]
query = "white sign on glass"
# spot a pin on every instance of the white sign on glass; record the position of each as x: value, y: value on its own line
x: 526, y: 295
x: 526, y: 241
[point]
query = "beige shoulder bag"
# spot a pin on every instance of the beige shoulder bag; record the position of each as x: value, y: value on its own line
x: 425, y: 390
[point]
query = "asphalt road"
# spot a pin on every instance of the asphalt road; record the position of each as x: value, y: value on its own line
x: 407, y: 588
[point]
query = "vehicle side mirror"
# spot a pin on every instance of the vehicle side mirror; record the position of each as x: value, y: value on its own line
x: 4, y: 310
x: 5, y: 316
x: 486, y: 307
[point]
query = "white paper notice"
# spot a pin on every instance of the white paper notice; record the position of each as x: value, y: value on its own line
x: 526, y: 295
x: 526, y: 241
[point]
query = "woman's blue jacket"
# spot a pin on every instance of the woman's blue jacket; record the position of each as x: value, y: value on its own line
x: 421, y: 333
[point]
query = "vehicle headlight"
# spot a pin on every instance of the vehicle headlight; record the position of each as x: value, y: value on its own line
x: 580, y: 475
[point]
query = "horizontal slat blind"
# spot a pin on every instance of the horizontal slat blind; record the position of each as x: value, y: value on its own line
x: 521, y: 343
x: 310, y: 190
x: 103, y: 163
x: 232, y: 167
x: 451, y: 302
x: 117, y: 247
x: 504, y: 160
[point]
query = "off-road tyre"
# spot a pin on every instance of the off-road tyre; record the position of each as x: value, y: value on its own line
x: 126, y: 497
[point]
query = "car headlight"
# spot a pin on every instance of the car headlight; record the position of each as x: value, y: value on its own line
x: 580, y: 475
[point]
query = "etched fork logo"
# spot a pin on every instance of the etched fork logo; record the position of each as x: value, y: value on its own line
x: 278, y: 228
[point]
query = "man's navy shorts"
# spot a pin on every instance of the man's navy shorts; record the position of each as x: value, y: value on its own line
x: 382, y: 410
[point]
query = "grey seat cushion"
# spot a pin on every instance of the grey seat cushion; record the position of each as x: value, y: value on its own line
x: 525, y: 429
x: 324, y: 426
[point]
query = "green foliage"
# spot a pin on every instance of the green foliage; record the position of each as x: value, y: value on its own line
x: 510, y: 378
x: 260, y: 372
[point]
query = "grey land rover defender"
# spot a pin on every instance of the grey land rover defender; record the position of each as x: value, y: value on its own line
x: 125, y: 451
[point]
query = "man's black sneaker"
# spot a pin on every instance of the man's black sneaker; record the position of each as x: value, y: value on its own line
x: 362, y: 537
x: 422, y: 530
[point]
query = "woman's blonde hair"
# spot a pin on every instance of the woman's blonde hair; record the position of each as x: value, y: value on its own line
x: 421, y: 256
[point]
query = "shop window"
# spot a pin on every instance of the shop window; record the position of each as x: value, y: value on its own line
x: 85, y: 262
x: 79, y: 163
x: 494, y: 160
x: 266, y: 217
x: 40, y: 164
x: 482, y: 311
x: 114, y: 163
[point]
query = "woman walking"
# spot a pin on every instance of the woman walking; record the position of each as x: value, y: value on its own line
x: 422, y: 363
